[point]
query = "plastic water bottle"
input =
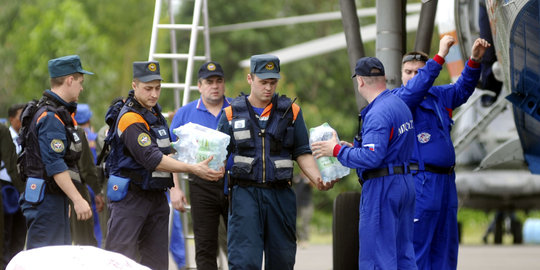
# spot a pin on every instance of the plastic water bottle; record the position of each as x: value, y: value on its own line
x: 326, y: 166
x: 329, y: 167
x: 197, y: 143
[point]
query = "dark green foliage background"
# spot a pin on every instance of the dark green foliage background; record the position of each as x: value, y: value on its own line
x: 110, y: 35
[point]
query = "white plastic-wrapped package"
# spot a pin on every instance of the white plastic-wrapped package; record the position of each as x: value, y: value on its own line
x: 330, y: 167
x: 72, y: 257
x: 197, y: 143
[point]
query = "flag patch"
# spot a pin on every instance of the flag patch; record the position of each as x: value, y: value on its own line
x: 370, y: 146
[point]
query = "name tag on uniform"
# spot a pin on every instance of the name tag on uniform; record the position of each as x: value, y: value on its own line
x: 240, y: 124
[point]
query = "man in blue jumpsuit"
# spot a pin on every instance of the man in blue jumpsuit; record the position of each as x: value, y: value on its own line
x: 208, y: 202
x: 433, y: 160
x: 140, y: 146
x: 267, y: 133
x: 380, y: 155
x: 414, y: 91
x: 51, y: 148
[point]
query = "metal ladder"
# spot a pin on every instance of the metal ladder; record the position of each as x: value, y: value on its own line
x: 200, y: 8
x: 467, y: 136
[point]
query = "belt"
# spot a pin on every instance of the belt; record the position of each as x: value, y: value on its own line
x: 136, y: 188
x: 376, y: 173
x: 433, y: 168
x: 271, y: 184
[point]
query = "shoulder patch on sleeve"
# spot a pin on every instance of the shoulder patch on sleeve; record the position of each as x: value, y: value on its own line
x: 144, y: 139
x: 57, y: 145
x: 130, y: 118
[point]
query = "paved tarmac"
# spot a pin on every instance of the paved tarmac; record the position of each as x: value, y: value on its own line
x: 471, y: 257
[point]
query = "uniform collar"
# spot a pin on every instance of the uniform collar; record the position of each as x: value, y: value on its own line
x: 71, y: 106
x: 202, y: 107
x: 368, y: 107
x: 131, y: 96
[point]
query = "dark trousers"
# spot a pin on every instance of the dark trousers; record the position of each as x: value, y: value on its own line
x: 47, y: 222
x: 262, y: 219
x: 82, y: 231
x: 14, y: 233
x: 208, y: 205
x: 138, y: 228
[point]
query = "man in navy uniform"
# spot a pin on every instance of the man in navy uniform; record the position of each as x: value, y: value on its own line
x: 140, y: 146
x: 267, y: 133
x: 52, y: 148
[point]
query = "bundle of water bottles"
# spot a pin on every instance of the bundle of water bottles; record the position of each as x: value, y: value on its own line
x: 196, y: 143
x: 330, y: 167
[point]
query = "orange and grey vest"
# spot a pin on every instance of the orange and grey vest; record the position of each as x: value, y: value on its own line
x: 121, y: 163
x: 262, y: 145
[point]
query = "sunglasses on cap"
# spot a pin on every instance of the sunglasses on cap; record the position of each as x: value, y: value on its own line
x: 412, y: 57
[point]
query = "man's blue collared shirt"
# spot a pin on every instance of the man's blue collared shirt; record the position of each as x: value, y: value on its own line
x: 197, y: 113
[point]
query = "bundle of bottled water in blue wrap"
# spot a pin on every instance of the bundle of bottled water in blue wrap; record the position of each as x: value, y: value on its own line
x: 196, y: 143
x: 330, y: 167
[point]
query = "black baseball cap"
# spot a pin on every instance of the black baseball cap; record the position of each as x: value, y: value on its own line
x: 368, y: 67
x: 210, y: 69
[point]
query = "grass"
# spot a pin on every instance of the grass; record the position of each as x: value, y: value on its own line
x: 474, y: 224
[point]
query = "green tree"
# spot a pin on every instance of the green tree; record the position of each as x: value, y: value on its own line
x: 107, y: 35
x: 110, y: 35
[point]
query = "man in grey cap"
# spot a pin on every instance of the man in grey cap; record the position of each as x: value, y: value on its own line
x: 267, y: 133
x: 50, y: 151
x: 208, y: 203
x: 140, y: 173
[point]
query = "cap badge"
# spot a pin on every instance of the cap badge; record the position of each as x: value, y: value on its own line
x: 152, y: 67
x: 270, y: 65
x: 211, y: 67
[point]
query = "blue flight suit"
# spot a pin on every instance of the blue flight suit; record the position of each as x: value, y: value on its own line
x: 413, y: 93
x: 208, y: 202
x: 262, y: 210
x: 387, y: 202
x: 48, y: 147
x: 435, y: 220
